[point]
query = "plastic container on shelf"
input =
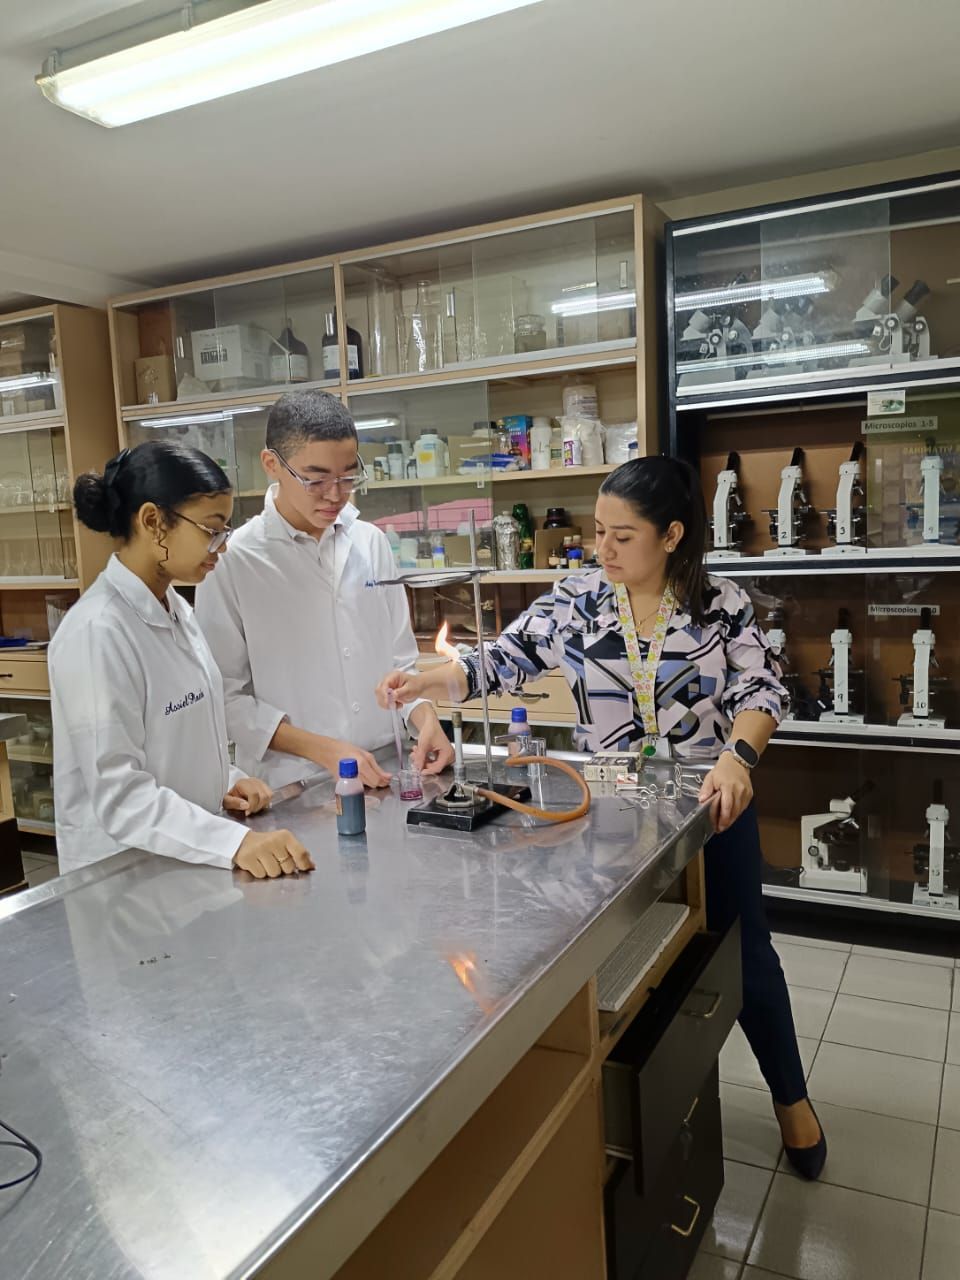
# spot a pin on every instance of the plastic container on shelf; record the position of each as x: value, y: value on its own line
x: 431, y: 456
x: 580, y: 400
x: 619, y: 436
x: 572, y: 445
x: 541, y: 434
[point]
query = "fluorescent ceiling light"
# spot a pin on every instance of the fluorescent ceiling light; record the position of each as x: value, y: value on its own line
x: 790, y: 355
x: 201, y: 419
x: 261, y: 43
x: 377, y: 424
x: 23, y: 381
x: 758, y: 291
x: 595, y: 302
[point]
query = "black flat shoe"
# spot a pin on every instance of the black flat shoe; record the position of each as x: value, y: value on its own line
x: 809, y: 1161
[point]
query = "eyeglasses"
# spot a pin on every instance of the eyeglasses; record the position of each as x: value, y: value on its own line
x: 218, y: 537
x: 344, y: 485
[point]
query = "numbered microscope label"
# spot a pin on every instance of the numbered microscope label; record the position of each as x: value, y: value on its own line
x: 902, y: 610
x: 889, y: 426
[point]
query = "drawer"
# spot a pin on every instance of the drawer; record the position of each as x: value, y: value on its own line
x: 548, y: 698
x: 656, y: 1235
x: 658, y: 1067
x: 24, y: 675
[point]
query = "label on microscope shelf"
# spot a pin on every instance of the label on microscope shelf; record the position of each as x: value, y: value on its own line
x: 902, y: 610
x: 886, y: 401
x: 890, y: 426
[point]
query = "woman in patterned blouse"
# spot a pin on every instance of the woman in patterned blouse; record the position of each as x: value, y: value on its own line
x: 716, y: 696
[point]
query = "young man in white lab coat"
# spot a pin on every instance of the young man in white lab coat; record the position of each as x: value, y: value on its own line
x: 299, y: 636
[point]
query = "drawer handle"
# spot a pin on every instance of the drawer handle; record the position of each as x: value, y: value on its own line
x: 6, y: 675
x: 693, y: 1221
x: 708, y: 1013
x: 689, y: 1116
x: 532, y: 697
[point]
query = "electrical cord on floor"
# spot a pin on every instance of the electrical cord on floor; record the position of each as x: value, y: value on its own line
x: 22, y: 1144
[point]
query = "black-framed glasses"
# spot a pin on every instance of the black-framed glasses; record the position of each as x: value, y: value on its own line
x: 218, y: 537
x: 345, y: 485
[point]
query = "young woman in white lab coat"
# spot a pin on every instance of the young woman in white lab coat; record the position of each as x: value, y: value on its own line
x: 139, y: 733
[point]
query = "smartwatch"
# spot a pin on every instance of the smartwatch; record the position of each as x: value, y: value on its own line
x: 742, y: 751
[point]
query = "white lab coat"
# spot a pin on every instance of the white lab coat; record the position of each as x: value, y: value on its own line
x: 299, y: 635
x: 140, y: 756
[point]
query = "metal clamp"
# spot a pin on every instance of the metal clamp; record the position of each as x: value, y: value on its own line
x: 686, y: 1233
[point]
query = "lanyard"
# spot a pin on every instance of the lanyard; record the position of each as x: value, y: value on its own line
x: 644, y: 673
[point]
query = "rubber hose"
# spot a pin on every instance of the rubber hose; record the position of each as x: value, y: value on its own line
x: 548, y: 815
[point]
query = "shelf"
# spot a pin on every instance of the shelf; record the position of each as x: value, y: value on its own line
x: 869, y: 737
x: 45, y: 508
x: 932, y: 373
x: 39, y: 584
x: 224, y: 400
x: 529, y: 575
x: 596, y: 355
x: 876, y: 561
x: 480, y: 479
x: 48, y: 418
x: 24, y: 755
x: 34, y: 827
x: 859, y: 901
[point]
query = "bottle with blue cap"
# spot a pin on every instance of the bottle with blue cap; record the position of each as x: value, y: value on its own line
x: 351, y: 807
x: 520, y: 731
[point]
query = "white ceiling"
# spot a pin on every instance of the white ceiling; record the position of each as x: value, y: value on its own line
x: 567, y: 100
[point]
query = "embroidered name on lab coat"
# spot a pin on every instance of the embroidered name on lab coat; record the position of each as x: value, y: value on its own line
x: 187, y: 701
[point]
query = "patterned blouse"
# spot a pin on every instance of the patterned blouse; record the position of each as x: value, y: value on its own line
x: 707, y: 675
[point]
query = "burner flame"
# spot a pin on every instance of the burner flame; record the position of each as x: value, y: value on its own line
x: 443, y: 646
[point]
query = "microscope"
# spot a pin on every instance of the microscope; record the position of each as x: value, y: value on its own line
x: 847, y: 523
x: 787, y: 521
x: 729, y: 516
x: 916, y: 689
x: 936, y: 861
x: 836, y: 702
x: 802, y: 705
x: 929, y: 511
x: 831, y: 856
x: 898, y: 334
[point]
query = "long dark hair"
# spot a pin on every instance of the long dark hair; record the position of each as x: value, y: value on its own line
x: 163, y: 473
x: 662, y: 490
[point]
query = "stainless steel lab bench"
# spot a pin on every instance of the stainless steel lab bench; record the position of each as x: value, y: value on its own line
x: 388, y: 1068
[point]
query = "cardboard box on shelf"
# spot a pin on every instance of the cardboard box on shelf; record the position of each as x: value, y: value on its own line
x: 231, y: 352
x: 23, y: 349
x: 155, y: 376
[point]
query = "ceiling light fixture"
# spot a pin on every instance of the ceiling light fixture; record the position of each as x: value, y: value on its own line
x: 256, y: 45
x: 595, y: 302
x: 758, y: 291
x: 24, y: 381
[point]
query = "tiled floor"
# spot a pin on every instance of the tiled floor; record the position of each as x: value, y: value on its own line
x: 880, y: 1040
x: 39, y: 868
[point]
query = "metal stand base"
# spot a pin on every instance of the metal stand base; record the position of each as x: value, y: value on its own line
x: 908, y: 721
x: 834, y: 717
x: 922, y: 897
x: 436, y: 814
x: 787, y: 553
x: 833, y: 880
x: 844, y: 549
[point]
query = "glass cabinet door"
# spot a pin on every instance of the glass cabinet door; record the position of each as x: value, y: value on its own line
x: 839, y: 291
x: 31, y: 762
x: 36, y: 526
x: 29, y: 367
x: 505, y: 297
x: 233, y: 438
x: 229, y: 339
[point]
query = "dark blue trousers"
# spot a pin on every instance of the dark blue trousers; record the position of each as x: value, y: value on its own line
x: 733, y: 869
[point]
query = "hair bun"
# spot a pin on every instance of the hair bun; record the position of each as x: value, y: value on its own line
x: 96, y: 504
